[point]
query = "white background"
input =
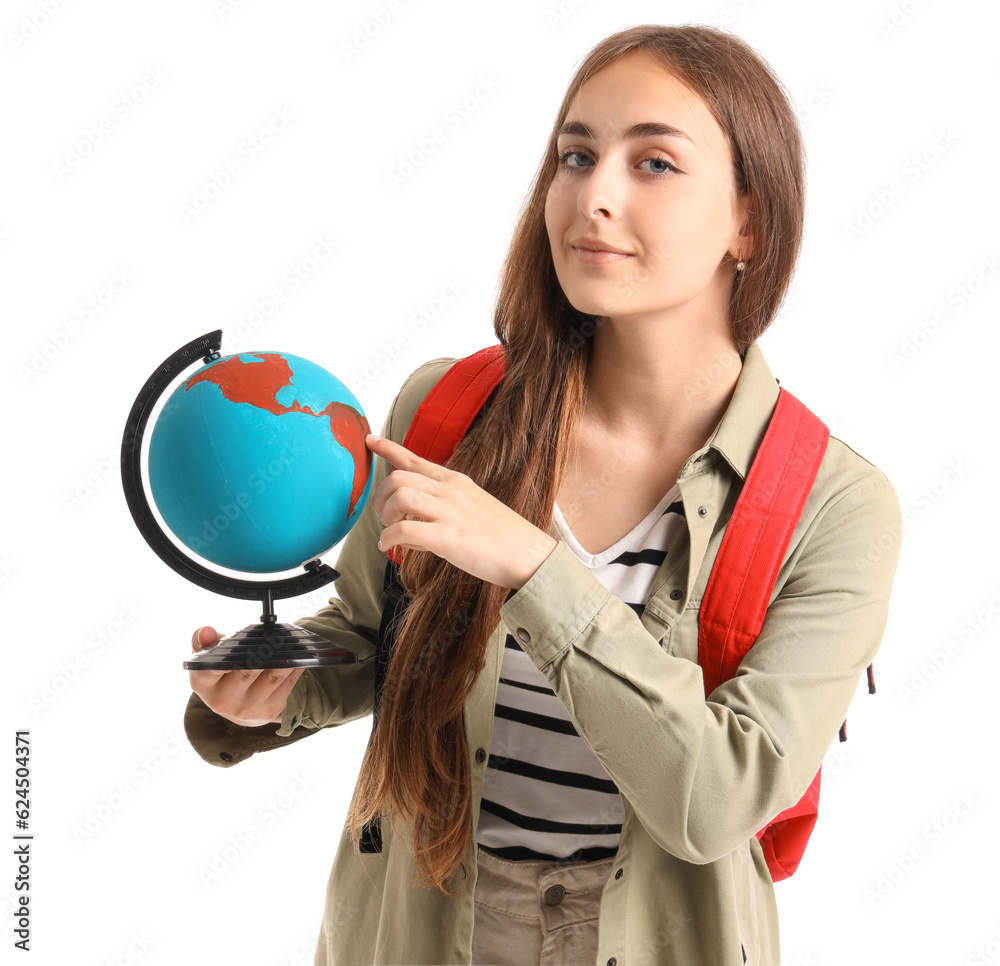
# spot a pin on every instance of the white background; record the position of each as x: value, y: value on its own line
x: 913, y: 104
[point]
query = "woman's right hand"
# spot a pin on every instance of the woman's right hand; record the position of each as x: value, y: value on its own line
x: 245, y: 697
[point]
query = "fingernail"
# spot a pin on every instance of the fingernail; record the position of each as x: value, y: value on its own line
x: 373, y: 437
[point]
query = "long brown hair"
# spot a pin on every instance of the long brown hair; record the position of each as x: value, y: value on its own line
x: 417, y: 762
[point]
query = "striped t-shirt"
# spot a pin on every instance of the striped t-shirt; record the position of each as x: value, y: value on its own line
x: 546, y: 794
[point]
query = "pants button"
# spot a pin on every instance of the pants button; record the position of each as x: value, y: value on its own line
x: 554, y: 895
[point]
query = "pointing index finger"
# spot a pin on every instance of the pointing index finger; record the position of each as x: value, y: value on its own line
x: 400, y: 458
x: 391, y: 451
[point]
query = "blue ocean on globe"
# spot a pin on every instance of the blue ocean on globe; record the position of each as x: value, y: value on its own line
x: 258, y: 463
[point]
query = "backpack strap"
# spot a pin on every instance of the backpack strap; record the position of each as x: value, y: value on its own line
x: 439, y: 424
x: 757, y: 536
x: 444, y: 417
x: 743, y: 577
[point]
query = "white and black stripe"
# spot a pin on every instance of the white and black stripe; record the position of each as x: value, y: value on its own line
x: 546, y: 794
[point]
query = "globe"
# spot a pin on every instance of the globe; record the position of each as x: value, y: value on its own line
x: 257, y: 461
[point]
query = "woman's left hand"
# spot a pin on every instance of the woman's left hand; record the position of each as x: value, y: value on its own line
x: 457, y: 519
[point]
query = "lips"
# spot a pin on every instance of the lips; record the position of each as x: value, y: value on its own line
x: 595, y: 245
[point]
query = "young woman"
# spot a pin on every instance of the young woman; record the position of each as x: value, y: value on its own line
x: 553, y: 784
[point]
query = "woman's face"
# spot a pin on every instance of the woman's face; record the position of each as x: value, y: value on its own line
x: 669, y: 201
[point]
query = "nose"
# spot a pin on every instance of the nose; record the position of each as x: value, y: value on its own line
x: 600, y: 191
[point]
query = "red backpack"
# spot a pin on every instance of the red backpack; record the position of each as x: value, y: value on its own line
x: 739, y: 587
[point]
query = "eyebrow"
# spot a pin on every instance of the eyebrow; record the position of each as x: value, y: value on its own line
x: 645, y: 129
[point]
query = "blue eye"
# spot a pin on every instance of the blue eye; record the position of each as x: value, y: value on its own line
x: 656, y: 174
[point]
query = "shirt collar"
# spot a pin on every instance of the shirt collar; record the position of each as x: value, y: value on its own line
x: 743, y: 425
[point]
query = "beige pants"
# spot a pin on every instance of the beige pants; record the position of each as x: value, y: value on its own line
x: 542, y: 913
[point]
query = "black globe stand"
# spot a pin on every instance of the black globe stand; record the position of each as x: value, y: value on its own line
x: 269, y: 644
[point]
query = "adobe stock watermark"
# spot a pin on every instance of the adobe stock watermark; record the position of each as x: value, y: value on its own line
x: 835, y: 763
x: 955, y: 300
x: 90, y: 481
x: 939, y: 659
x: 914, y: 168
x: 425, y: 146
x: 613, y: 477
x: 88, y: 309
x: 933, y: 833
x: 133, y: 950
x: 30, y: 26
x: 440, y: 644
x: 140, y: 774
x: 920, y: 504
x: 807, y: 107
x: 369, y: 31
x: 900, y: 14
x: 309, y: 604
x: 9, y: 906
x: 582, y: 331
x: 258, y: 481
x: 986, y: 955
x: 708, y: 374
x: 122, y: 107
x: 226, y: 8
x: 625, y: 287
x: 934, y: 492
x: 69, y: 671
x: 393, y: 348
x: 8, y: 568
x: 557, y: 14
x: 291, y: 279
x: 309, y: 941
x: 272, y: 811
x: 221, y: 178
x: 726, y: 16
x: 650, y: 951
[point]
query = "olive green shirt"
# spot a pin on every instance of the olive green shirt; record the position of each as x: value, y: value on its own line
x: 698, y: 777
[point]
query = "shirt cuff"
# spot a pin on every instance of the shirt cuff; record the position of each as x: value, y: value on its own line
x: 294, y: 712
x: 221, y: 742
x: 215, y: 738
x: 555, y: 606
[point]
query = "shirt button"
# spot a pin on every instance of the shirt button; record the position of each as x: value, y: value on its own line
x: 480, y: 754
x: 675, y: 595
x: 703, y: 511
x: 523, y: 634
x: 619, y: 873
x: 225, y: 756
x: 612, y: 961
x: 554, y: 895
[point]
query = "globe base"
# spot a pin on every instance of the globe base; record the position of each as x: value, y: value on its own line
x: 273, y: 645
